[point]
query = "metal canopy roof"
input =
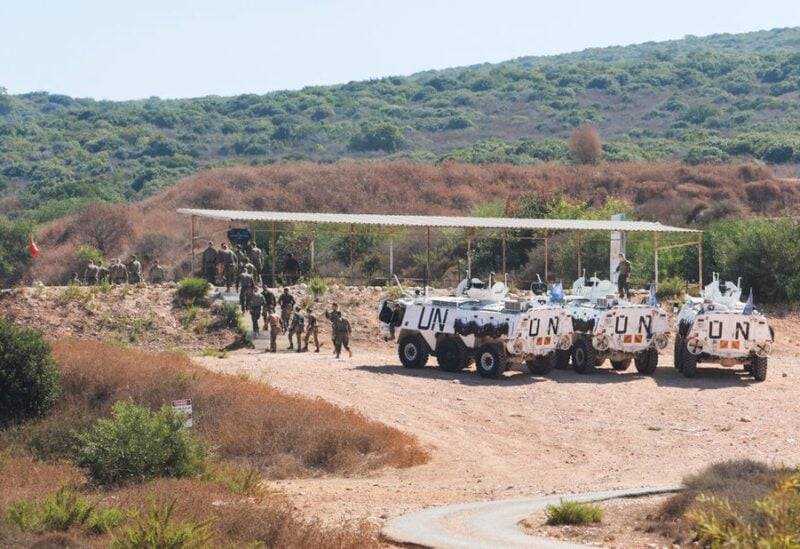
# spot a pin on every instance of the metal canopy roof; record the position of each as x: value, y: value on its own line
x: 438, y: 221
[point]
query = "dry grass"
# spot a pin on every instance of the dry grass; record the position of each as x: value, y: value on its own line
x: 666, y: 192
x: 235, y: 520
x: 243, y: 421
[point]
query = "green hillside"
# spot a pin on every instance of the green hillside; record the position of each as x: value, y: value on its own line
x: 713, y: 99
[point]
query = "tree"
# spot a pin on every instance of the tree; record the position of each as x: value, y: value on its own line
x: 585, y: 146
x: 29, y: 377
x: 105, y: 226
x: 378, y: 137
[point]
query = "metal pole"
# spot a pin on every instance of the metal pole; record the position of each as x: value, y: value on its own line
x: 700, y: 262
x: 274, y: 254
x: 655, y: 248
x: 579, y: 256
x: 428, y: 259
x: 546, y: 260
x: 194, y: 237
x: 469, y: 252
x: 505, y: 237
x: 313, y: 241
x: 391, y: 254
x: 352, y: 251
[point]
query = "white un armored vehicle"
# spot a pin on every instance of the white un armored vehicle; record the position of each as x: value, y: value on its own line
x: 609, y: 328
x: 719, y: 328
x: 479, y: 323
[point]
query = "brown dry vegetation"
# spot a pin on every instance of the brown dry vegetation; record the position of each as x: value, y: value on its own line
x: 234, y: 519
x: 671, y: 193
x: 251, y: 423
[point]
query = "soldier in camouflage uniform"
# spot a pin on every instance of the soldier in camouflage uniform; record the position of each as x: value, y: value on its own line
x: 118, y: 272
x: 273, y: 321
x: 256, y: 257
x: 269, y: 297
x: 286, y: 301
x: 210, y: 263
x: 246, y: 285
x: 256, y: 304
x: 157, y: 273
x: 90, y: 274
x: 340, y: 330
x: 103, y: 274
x: 241, y: 260
x: 228, y: 260
x: 297, y: 328
x: 312, y: 329
x: 134, y: 270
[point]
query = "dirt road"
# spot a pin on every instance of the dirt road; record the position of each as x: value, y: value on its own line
x: 524, y: 436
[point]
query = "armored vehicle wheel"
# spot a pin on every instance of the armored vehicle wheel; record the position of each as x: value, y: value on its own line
x: 646, y: 362
x: 562, y: 359
x: 758, y: 367
x: 451, y: 354
x: 688, y: 362
x: 598, y: 361
x: 621, y: 365
x: 677, y: 350
x: 490, y: 360
x: 583, y: 356
x: 413, y: 351
x: 542, y: 365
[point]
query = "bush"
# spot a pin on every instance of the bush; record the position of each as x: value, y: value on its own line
x: 317, y: 286
x: 573, y: 512
x: 585, y: 146
x: 192, y: 288
x: 61, y: 511
x: 87, y: 253
x: 156, y: 528
x: 137, y: 444
x: 671, y: 287
x: 28, y: 375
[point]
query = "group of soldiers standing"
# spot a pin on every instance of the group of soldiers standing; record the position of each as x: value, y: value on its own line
x: 120, y: 273
x: 242, y: 269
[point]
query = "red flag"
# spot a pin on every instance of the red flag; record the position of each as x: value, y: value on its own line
x: 33, y: 248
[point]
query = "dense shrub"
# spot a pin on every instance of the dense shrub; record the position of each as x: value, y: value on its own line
x: 137, y: 444
x: 156, y: 528
x: 192, y: 288
x: 317, y: 286
x: 573, y: 512
x: 28, y: 375
x: 585, y: 146
x: 61, y: 511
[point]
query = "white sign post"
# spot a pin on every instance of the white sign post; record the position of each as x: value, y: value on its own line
x: 184, y: 407
x: 617, y: 247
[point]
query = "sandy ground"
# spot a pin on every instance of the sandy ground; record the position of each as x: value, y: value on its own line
x: 522, y: 435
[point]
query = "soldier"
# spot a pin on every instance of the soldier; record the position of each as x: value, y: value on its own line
x: 210, y: 263
x: 290, y: 269
x: 256, y: 257
x: 624, y: 270
x: 103, y: 274
x: 256, y: 304
x: 134, y: 270
x: 340, y: 330
x: 312, y: 329
x: 157, y: 274
x: 297, y: 328
x: 241, y: 259
x: 397, y: 316
x: 74, y: 280
x: 90, y: 274
x: 269, y: 297
x: 286, y: 301
x: 247, y: 285
x: 228, y: 260
x: 273, y: 321
x: 118, y: 272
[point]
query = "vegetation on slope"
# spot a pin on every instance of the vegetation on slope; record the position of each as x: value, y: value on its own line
x: 697, y: 99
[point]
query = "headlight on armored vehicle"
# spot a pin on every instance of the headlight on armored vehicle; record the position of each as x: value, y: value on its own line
x: 762, y: 349
x: 661, y: 341
x: 564, y: 342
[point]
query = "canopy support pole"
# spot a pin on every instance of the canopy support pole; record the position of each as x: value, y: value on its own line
x: 352, y: 250
x: 194, y: 237
x: 700, y: 262
x: 391, y: 253
x: 655, y: 260
x: 274, y: 254
x: 505, y: 239
x: 313, y: 249
x: 428, y: 259
x: 546, y: 259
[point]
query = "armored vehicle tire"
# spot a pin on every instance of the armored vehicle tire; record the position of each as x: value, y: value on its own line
x: 490, y: 360
x: 688, y: 362
x: 451, y: 354
x: 542, y: 365
x: 621, y: 365
x: 413, y: 351
x: 562, y: 359
x: 676, y: 353
x: 646, y: 362
x: 598, y: 361
x: 583, y: 356
x: 758, y: 365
